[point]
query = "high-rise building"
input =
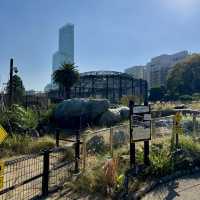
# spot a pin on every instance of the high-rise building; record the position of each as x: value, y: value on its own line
x: 65, y: 53
x: 158, y: 68
x: 137, y: 72
x: 155, y: 72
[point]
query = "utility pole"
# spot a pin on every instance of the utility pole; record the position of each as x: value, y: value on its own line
x: 11, y: 83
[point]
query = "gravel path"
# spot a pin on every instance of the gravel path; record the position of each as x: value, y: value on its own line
x: 186, y: 188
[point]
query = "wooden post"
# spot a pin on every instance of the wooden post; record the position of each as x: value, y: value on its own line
x: 194, y: 124
x: 111, y: 142
x: 57, y: 137
x: 77, y: 152
x: 146, y: 152
x: 132, y: 144
x: 84, y: 153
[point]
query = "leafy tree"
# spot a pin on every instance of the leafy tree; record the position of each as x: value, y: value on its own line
x: 184, y: 78
x: 17, y: 88
x: 66, y: 76
x: 157, y: 93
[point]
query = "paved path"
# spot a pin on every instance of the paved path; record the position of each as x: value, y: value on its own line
x: 186, y: 188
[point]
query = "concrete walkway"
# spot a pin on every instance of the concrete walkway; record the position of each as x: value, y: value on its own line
x: 186, y: 188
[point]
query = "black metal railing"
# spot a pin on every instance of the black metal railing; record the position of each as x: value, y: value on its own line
x: 34, y: 176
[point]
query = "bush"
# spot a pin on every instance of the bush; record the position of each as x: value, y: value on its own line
x: 196, y: 96
x: 18, y: 120
x: 96, y: 144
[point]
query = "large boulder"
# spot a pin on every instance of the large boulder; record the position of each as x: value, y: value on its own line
x: 73, y: 112
x: 110, y: 117
x: 124, y: 112
x: 113, y: 116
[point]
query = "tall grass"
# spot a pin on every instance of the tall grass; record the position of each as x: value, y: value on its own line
x: 17, y: 144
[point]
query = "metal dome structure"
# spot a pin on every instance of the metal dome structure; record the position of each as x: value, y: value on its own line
x: 111, y: 85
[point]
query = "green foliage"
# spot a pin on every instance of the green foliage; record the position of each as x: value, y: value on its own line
x: 190, y: 145
x: 66, y: 76
x: 157, y: 93
x: 196, y: 96
x: 46, y: 117
x: 18, y: 89
x: 96, y: 145
x: 184, y: 78
x: 19, y: 119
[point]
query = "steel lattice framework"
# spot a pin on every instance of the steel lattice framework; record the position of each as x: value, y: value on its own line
x: 111, y: 85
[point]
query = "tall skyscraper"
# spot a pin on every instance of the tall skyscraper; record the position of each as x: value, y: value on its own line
x: 65, y: 53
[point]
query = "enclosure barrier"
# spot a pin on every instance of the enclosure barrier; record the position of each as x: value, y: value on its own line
x: 34, y: 176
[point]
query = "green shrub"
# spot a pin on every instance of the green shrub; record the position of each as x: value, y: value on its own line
x: 96, y: 144
x: 18, y: 119
x: 196, y: 96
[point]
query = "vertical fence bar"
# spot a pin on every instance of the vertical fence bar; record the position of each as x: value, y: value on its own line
x: 45, y: 177
x: 194, y: 124
x: 132, y: 144
x: 57, y: 137
x: 84, y: 153
x: 111, y: 142
x: 146, y: 152
x: 77, y: 152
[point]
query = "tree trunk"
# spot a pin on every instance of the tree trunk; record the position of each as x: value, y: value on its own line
x: 67, y: 93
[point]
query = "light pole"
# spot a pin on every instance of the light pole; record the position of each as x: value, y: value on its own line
x: 12, y: 69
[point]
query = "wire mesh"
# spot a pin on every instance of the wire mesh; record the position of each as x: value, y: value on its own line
x: 22, y: 178
x: 162, y: 126
x: 61, y: 168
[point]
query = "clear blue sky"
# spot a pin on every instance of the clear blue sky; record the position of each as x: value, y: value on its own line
x: 109, y: 34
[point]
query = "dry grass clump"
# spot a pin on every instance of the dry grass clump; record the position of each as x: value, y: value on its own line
x: 23, y: 144
x: 163, y: 106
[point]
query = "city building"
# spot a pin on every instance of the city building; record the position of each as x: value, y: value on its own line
x: 155, y: 72
x: 159, y: 67
x: 65, y: 53
x: 137, y: 72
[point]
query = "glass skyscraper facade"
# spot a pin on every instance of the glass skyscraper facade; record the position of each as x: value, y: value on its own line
x: 65, y: 53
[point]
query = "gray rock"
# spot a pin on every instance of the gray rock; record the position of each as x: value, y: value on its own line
x: 113, y: 116
x: 68, y: 113
x: 124, y: 112
x: 110, y: 117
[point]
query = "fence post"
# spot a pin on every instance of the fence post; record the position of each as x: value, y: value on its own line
x: 146, y: 152
x: 153, y: 128
x: 84, y: 153
x: 57, y: 137
x: 132, y: 144
x: 45, y: 177
x: 77, y: 152
x: 194, y: 124
x: 111, y: 142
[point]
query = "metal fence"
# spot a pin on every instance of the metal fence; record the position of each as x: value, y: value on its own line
x: 34, y: 176
x: 105, y: 140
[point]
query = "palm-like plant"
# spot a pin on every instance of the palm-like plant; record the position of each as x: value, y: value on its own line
x: 66, y: 76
